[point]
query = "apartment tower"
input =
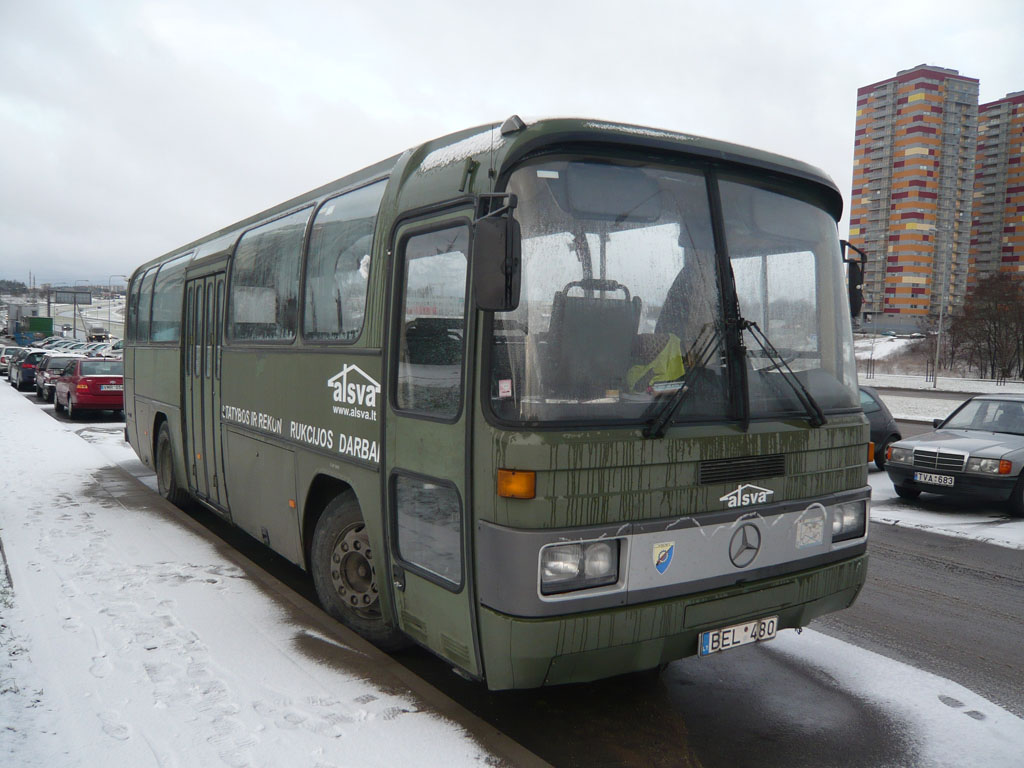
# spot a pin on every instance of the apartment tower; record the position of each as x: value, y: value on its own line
x: 997, y: 228
x: 913, y: 181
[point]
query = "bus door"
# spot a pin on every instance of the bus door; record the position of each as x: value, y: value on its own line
x: 426, y: 431
x: 204, y: 310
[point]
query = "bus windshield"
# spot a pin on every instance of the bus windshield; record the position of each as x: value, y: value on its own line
x: 621, y: 302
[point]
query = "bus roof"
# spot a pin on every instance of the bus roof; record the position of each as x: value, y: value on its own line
x: 471, y: 160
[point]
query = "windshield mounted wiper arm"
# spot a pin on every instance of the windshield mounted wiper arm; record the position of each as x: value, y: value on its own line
x: 815, y: 415
x: 699, y: 354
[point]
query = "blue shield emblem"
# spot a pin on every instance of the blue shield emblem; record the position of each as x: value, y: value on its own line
x: 663, y: 556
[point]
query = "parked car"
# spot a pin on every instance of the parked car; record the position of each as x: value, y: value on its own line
x: 884, y: 431
x: 114, y: 349
x: 977, y: 451
x: 14, y: 361
x: 6, y: 355
x: 23, y: 375
x: 89, y: 384
x: 48, y: 371
x: 60, y: 344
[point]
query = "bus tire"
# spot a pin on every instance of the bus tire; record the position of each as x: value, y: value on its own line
x: 342, y: 563
x: 166, y: 481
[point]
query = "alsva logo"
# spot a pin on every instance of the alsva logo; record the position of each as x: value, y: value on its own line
x: 354, y: 391
x: 747, y: 494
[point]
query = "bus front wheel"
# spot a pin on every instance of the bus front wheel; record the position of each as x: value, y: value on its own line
x: 166, y: 481
x: 344, y: 568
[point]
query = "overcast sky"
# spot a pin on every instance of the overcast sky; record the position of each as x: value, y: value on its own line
x: 128, y: 128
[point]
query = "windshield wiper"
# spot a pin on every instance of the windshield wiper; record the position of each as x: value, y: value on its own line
x: 810, y: 405
x: 697, y: 356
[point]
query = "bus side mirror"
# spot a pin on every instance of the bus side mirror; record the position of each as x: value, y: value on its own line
x: 496, y: 263
x: 854, y: 275
x: 854, y: 281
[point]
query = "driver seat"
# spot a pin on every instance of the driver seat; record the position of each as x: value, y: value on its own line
x: 591, y: 338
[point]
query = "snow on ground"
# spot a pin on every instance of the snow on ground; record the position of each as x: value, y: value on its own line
x: 944, y: 384
x: 949, y: 724
x: 129, y: 640
x: 126, y: 639
x: 985, y: 521
x: 879, y: 347
x: 908, y: 408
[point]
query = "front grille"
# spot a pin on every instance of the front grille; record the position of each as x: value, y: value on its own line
x: 742, y: 468
x: 943, y: 460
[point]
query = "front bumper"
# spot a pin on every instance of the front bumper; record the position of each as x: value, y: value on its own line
x: 995, y: 487
x: 528, y: 653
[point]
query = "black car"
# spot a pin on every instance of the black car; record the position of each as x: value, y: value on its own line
x: 884, y: 431
x: 23, y: 370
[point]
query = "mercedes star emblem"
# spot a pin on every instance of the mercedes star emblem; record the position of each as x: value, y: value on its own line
x: 745, y: 545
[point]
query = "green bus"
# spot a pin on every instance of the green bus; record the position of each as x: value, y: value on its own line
x: 555, y: 399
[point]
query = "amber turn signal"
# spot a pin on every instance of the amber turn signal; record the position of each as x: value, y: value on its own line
x: 516, y: 484
x: 871, y: 451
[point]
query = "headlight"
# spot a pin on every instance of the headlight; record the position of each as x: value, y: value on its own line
x: 849, y: 520
x: 993, y: 466
x: 568, y: 567
x: 901, y: 455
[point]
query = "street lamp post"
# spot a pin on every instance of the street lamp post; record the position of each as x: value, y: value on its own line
x: 110, y: 300
x: 74, y: 313
x: 942, y: 306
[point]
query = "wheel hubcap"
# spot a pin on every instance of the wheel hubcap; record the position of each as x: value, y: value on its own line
x: 352, y: 573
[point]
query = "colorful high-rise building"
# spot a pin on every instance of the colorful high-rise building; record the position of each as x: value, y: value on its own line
x: 997, y: 228
x: 913, y: 183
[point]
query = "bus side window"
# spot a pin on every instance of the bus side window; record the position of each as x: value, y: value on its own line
x: 429, y: 526
x: 338, y: 265
x: 145, y: 305
x: 433, y: 326
x: 167, y: 293
x: 265, y: 280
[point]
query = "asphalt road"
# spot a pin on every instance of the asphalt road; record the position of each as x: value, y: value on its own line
x: 948, y: 606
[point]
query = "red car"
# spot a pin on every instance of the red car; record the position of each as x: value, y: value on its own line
x: 88, y: 384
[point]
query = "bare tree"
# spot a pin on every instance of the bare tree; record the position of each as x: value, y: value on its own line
x: 990, y: 331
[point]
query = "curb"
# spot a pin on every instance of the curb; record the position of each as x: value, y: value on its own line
x: 386, y: 671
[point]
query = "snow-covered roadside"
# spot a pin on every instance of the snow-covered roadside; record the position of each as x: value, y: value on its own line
x: 944, y: 384
x: 949, y: 724
x: 909, y: 408
x: 981, y: 521
x: 128, y: 640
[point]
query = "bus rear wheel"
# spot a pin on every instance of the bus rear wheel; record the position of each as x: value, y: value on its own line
x: 166, y: 481
x: 344, y: 570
